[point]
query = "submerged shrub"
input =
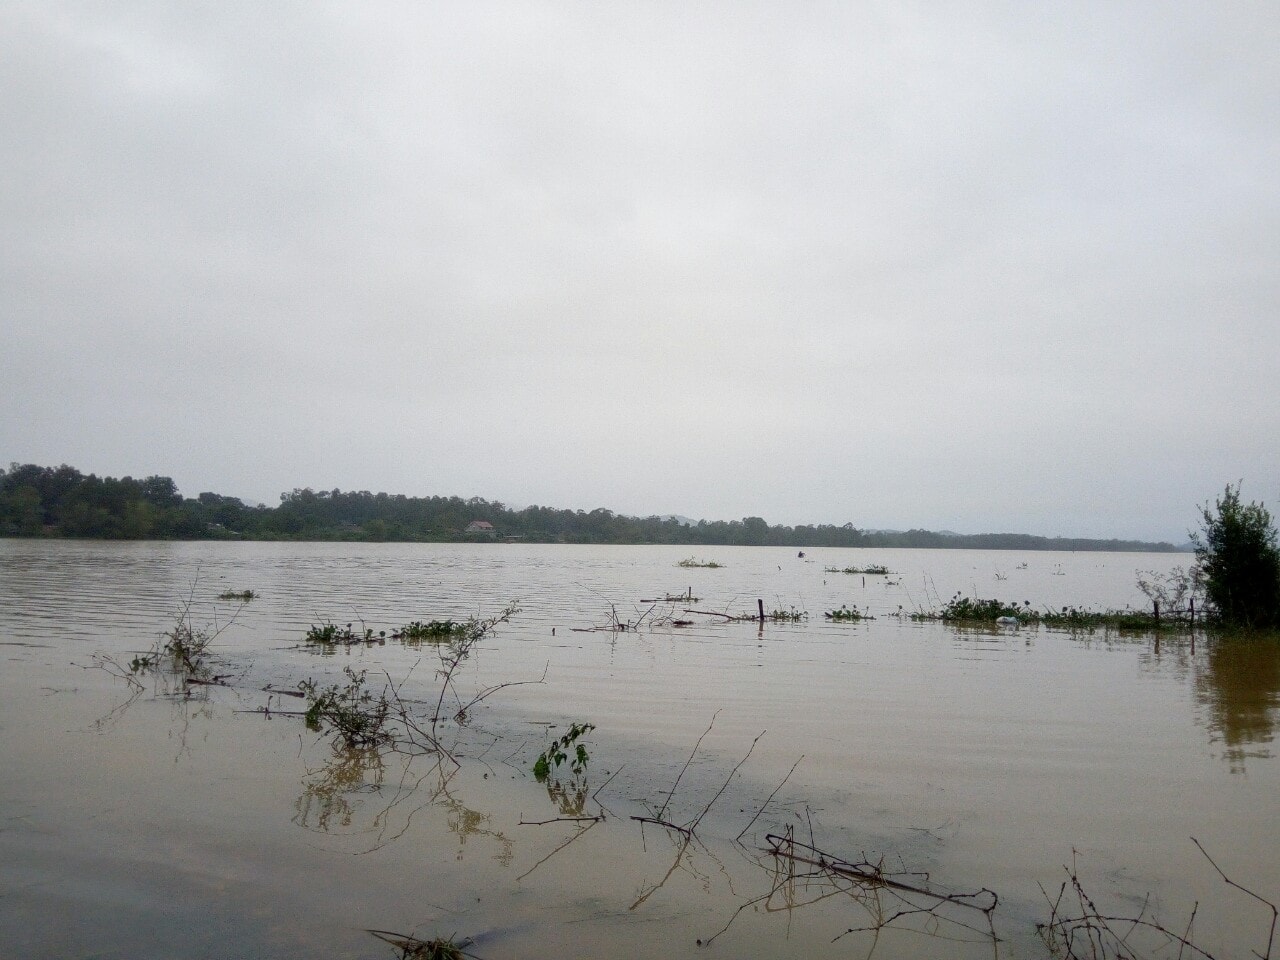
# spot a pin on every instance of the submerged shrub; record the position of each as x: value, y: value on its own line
x: 357, y: 716
x: 433, y: 631
x: 1240, y: 560
x: 847, y: 614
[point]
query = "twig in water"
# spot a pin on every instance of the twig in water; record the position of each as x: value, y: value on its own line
x: 770, y: 798
x: 732, y: 773
x: 1231, y: 883
x: 692, y: 754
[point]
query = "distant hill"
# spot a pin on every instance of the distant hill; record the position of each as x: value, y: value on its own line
x: 63, y: 502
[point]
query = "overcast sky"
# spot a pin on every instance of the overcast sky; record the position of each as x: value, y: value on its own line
x: 970, y: 266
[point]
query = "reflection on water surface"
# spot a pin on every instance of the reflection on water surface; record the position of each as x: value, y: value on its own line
x: 164, y: 820
x: 1238, y: 685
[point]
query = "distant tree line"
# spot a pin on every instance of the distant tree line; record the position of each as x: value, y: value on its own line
x: 63, y: 502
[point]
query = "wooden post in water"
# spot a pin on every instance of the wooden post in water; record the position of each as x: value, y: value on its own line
x: 760, y: 604
x: 1156, y: 605
x: 1193, y: 626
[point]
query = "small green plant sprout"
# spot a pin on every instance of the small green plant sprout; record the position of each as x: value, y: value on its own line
x: 564, y: 749
x: 847, y: 614
x: 358, y: 717
x: 694, y: 562
x: 244, y: 596
x: 331, y: 635
x: 872, y: 569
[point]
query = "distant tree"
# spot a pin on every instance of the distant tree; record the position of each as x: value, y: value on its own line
x: 1238, y: 554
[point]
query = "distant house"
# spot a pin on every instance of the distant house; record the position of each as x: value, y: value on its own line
x: 481, y: 528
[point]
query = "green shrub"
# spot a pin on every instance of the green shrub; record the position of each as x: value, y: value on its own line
x: 357, y: 716
x: 1240, y: 561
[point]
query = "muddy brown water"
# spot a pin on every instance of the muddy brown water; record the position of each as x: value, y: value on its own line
x: 169, y: 824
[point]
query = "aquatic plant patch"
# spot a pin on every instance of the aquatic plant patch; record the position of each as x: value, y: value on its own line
x: 847, y: 614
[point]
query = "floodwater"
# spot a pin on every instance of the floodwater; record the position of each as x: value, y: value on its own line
x: 162, y: 822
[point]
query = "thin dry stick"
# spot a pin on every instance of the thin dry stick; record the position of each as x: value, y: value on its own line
x: 680, y: 852
x: 692, y: 754
x: 1095, y: 928
x: 869, y: 873
x: 783, y: 880
x: 770, y: 798
x: 729, y: 618
x: 490, y: 691
x: 732, y: 773
x: 542, y: 823
x: 664, y: 823
x: 596, y: 793
x: 1274, y: 913
x: 581, y: 830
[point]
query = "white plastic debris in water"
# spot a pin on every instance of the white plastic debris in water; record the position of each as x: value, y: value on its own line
x: 1007, y: 621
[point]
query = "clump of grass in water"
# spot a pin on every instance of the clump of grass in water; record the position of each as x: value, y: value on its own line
x: 411, y: 948
x: 874, y: 569
x: 790, y: 615
x: 974, y: 610
x: 693, y: 562
x: 244, y: 596
x: 960, y: 609
x: 185, y: 648
x: 331, y: 635
x: 433, y: 631
x: 847, y: 614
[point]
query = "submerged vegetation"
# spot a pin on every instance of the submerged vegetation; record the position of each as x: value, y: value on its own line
x: 1239, y: 558
x: 691, y: 562
x: 356, y: 716
x: 777, y: 615
x: 872, y: 569
x: 331, y: 635
x: 182, y: 651
x: 847, y: 614
x: 433, y: 631
x: 411, y: 948
x: 972, y: 610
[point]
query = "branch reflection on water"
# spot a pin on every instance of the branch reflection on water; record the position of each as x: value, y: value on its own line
x: 334, y: 797
x: 1238, y: 685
